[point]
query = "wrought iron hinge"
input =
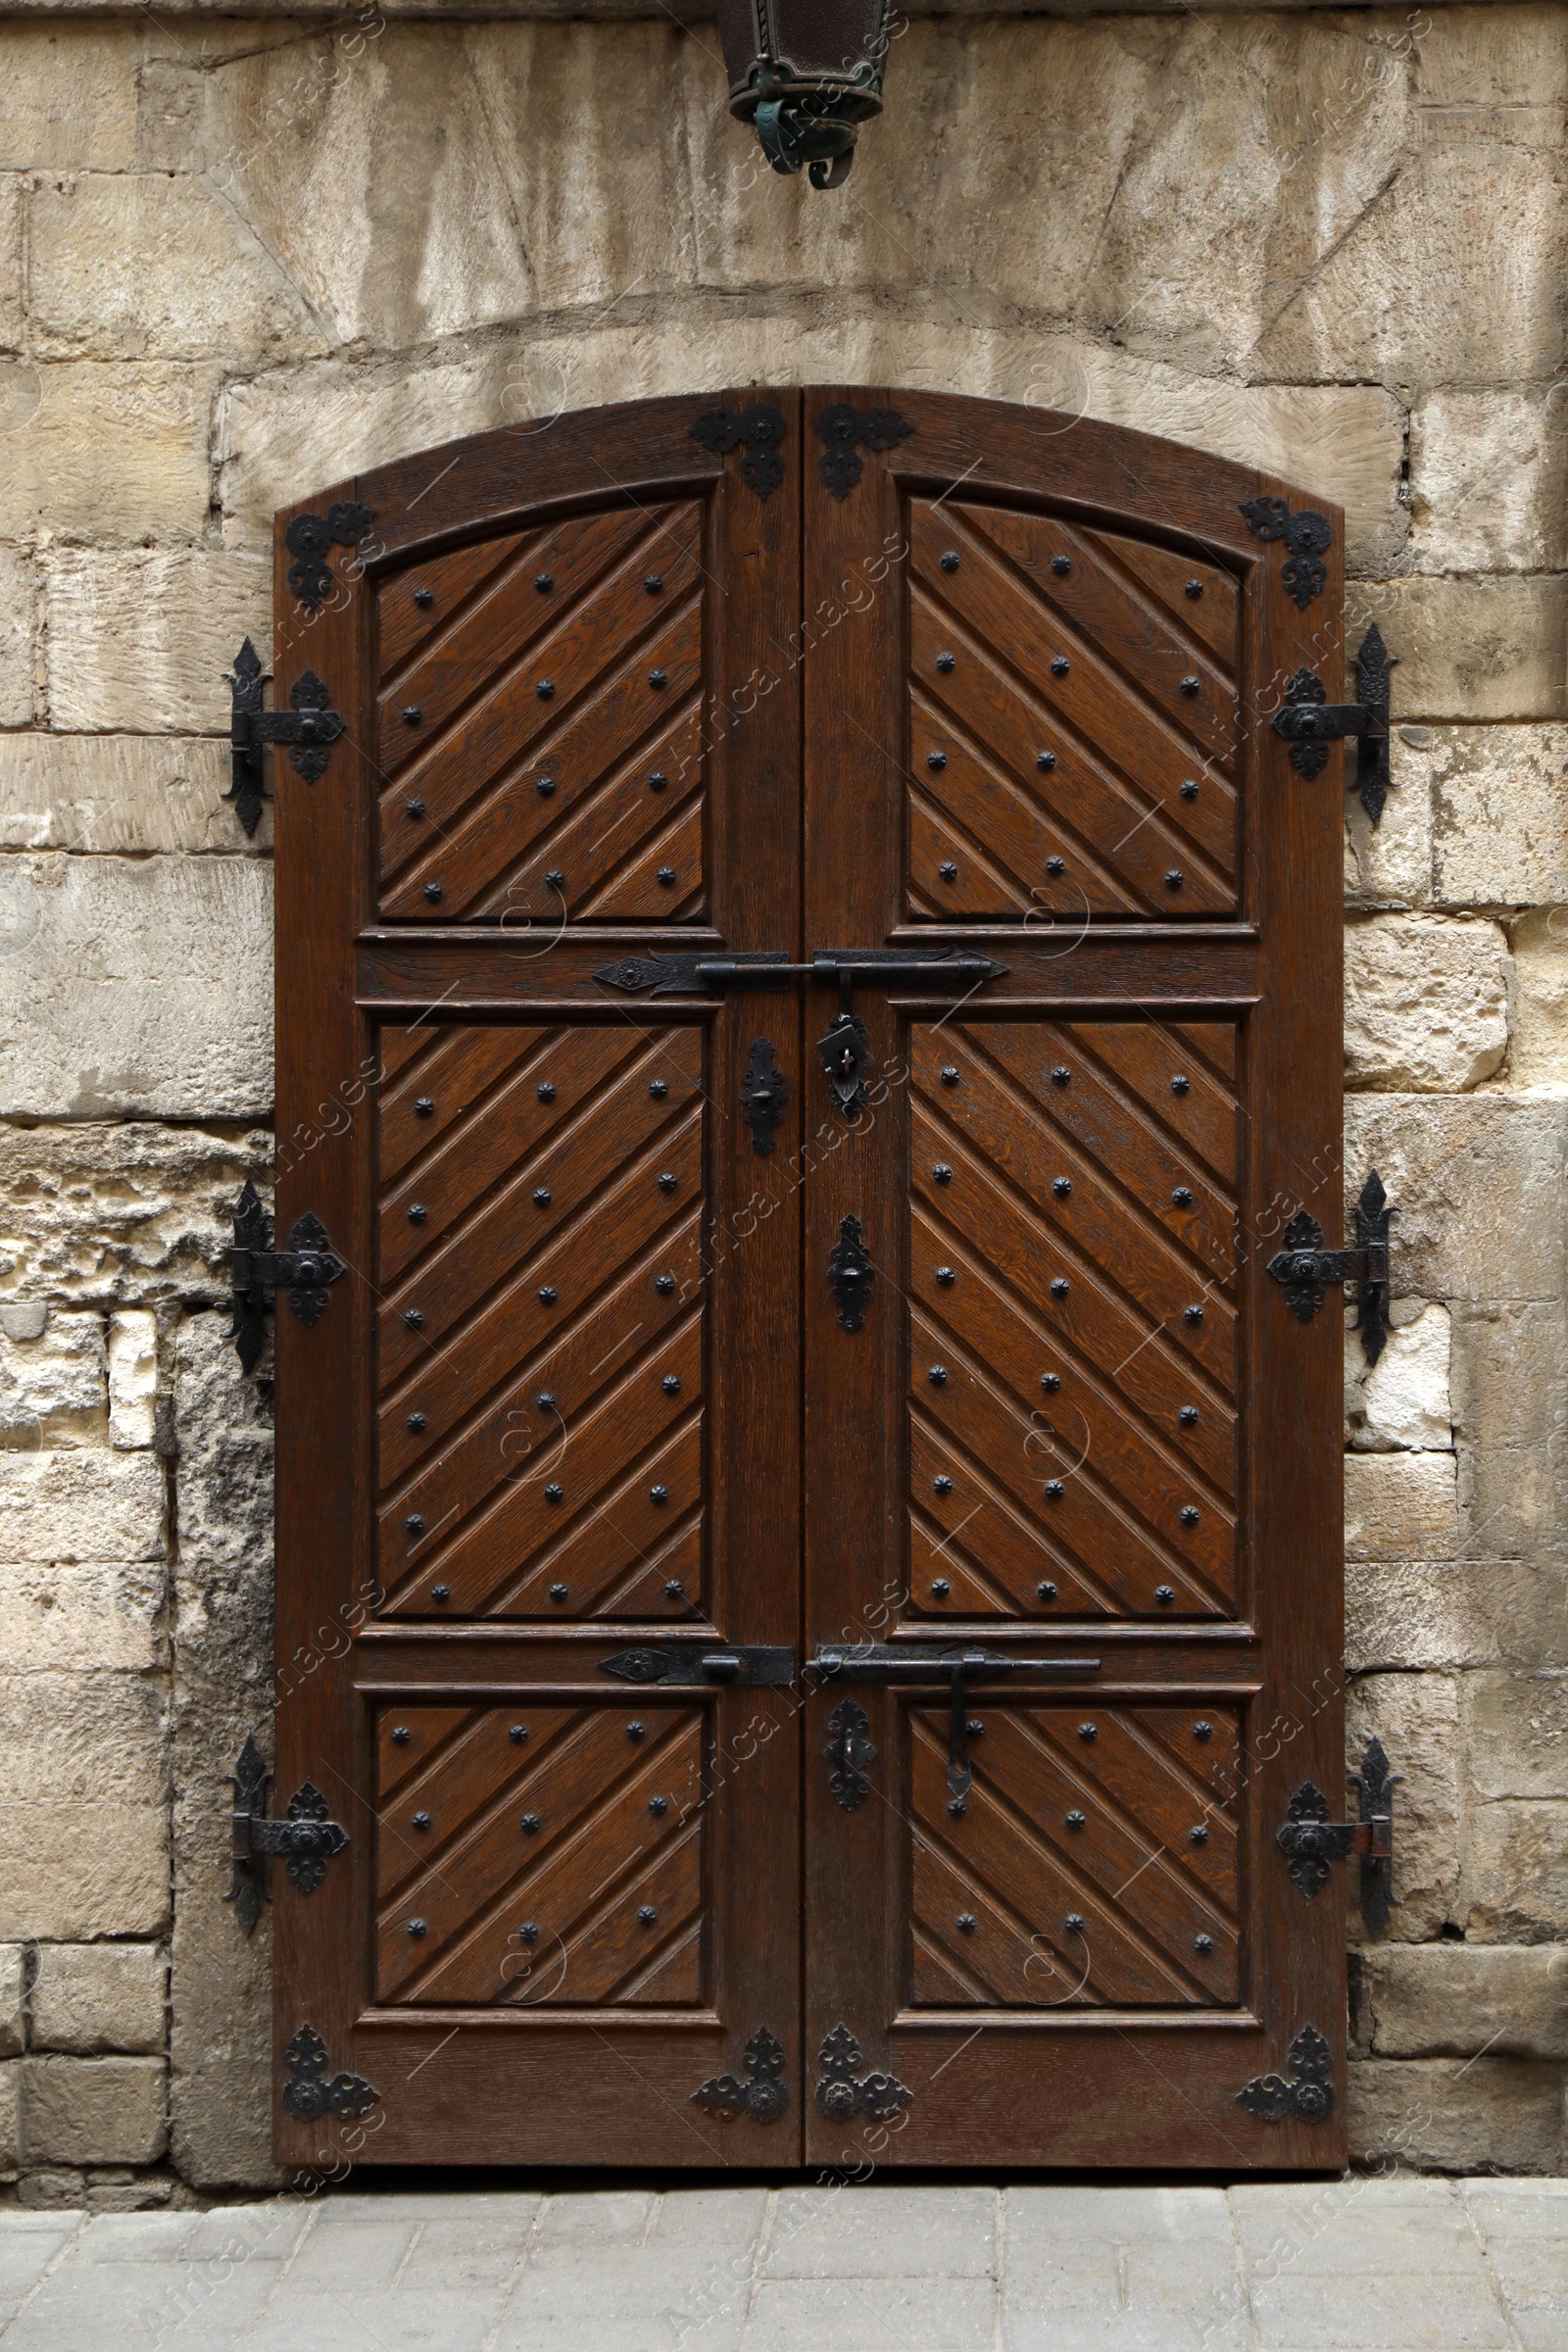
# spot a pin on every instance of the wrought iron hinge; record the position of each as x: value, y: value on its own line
x: 764, y: 2095
x: 841, y: 426
x: 310, y: 538
x: 1305, y: 1268
x: 1310, y: 1842
x: 308, y: 2094
x: 308, y: 727
x: 897, y: 1662
x: 758, y: 430
x: 702, y: 1662
x: 1307, y: 537
x: 1309, y: 722
x: 841, y: 2092
x: 303, y: 1269
x: 306, y: 1837
x: 1308, y: 2096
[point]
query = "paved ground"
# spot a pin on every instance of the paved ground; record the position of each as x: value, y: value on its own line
x: 1380, y: 2266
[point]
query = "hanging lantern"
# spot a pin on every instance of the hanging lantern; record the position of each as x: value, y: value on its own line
x: 807, y: 72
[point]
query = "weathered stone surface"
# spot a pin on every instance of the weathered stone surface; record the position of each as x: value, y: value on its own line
x: 81, y: 1614
x: 1510, y: 1385
x: 1513, y: 1883
x: 1500, y: 817
x: 169, y: 1013
x: 71, y: 96
x: 1400, y: 1506
x: 1400, y: 1404
x: 1478, y: 1180
x: 1388, y: 864
x: 1454, y: 1613
x: 84, y: 1807
x: 114, y: 454
x: 19, y: 630
x: 127, y: 267
x: 1488, y: 481
x: 9, y: 2119
x: 220, y: 2087
x: 52, y: 1387
x: 1473, y: 651
x: 123, y: 1213
x: 1426, y: 1002
x: 1538, y: 1054
x: 91, y: 1997
x: 12, y: 1999
x: 93, y: 2110
x: 1516, y: 1733
x: 1475, y: 57
x: 132, y: 1378
x: 122, y: 793
x: 142, y: 639
x: 1451, y: 2001
x: 1416, y: 1716
x: 81, y: 1503
x: 1492, y: 2115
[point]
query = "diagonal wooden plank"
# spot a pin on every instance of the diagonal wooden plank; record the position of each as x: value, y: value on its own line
x: 1212, y: 615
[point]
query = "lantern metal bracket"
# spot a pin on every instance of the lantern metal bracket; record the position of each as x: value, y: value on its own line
x: 303, y: 1269
x: 1309, y: 722
x: 309, y: 728
x: 1304, y: 1269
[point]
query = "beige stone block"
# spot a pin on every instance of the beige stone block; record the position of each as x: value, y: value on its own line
x: 1539, y: 1052
x: 1400, y: 1506
x: 1407, y: 1614
x: 83, y: 1806
x: 70, y: 95
x: 11, y: 269
x: 1388, y: 864
x: 1479, y: 1183
x: 109, y: 453
x: 1510, y: 1392
x: 122, y: 793
x: 52, y: 1386
x: 80, y: 1504
x: 132, y: 1378
x: 1472, y: 235
x: 125, y: 1212
x: 1500, y: 817
x: 1425, y: 1004
x: 1416, y: 1716
x: 1453, y: 2000
x: 1516, y: 1733
x: 9, y: 2119
x: 1474, y: 56
x: 1489, y: 2114
x: 94, y: 2110
x: 1513, y: 1885
x: 18, y: 631
x: 149, y: 266
x: 224, y: 1434
x: 83, y: 1614
x: 91, y: 1997
x: 1400, y: 1404
x: 143, y: 640
x: 1488, y: 481
x: 169, y: 1010
x: 1470, y: 650
x: 12, y: 1999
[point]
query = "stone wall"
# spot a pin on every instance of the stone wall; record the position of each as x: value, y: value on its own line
x: 239, y: 258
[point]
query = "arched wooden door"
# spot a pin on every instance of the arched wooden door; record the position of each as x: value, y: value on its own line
x: 807, y: 1543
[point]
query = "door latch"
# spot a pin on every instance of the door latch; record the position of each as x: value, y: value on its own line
x: 308, y: 727
x: 303, y: 1269
x: 888, y: 1662
x: 1309, y: 722
x: 306, y: 1837
x: 1305, y: 1268
x: 1310, y: 1842
x: 701, y: 1663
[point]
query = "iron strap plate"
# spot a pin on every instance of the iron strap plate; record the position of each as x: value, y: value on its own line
x: 887, y: 1662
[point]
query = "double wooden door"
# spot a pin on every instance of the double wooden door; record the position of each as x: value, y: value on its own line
x: 807, y: 1543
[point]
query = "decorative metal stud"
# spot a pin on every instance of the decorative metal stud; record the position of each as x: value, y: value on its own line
x: 414, y: 1524
x: 434, y: 893
x: 1187, y: 1415
x: 545, y: 690
x: 965, y: 1923
x: 529, y: 1825
x: 518, y: 1733
x: 658, y: 781
x: 1195, y: 589
x: 544, y: 581
x: 412, y: 715
x: 421, y: 1821
x: 659, y: 1495
x: 1180, y: 1084
x: 940, y: 1587
x: 1165, y: 1594
x: 1188, y: 789
x: 942, y: 1172
x: 1189, y: 687
x: 1045, y: 761
x: 937, y: 761
x: 548, y: 1293
x: 1061, y: 1075
x: 949, y: 561
x: 938, y: 1376
x: 942, y: 1485
x: 1075, y: 1821
x: 1054, y: 1490
x: 646, y: 1915
x: 1182, y: 1198
x: 402, y: 1734
x: 1051, y: 1382
x: 1061, y: 665
x: 1197, y: 1834
x: 1045, y: 1591
x: 1175, y: 879
x: 1055, y: 865
x: 413, y: 1318
x: 1060, y: 1287
x: 423, y: 597
x: 1061, y: 1185
x: 1188, y: 1514
x: 415, y: 807
x: 948, y: 871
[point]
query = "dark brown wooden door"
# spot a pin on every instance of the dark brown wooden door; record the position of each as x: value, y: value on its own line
x: 624, y: 1553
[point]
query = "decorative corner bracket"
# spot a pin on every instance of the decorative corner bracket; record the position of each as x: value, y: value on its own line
x: 851, y: 1273
x: 306, y: 2095
x: 764, y: 2095
x: 1307, y: 2098
x: 841, y: 2093
x: 303, y: 1269
x: 1305, y: 1268
x: 306, y: 1837
x: 841, y: 426
x: 1307, y: 537
x: 310, y: 540
x: 308, y: 727
x: 1309, y: 1840
x: 758, y: 430
x: 1309, y: 722
x: 849, y: 1751
x: 765, y: 1096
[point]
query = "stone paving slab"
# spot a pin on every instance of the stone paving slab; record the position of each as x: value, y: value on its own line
x: 1358, y: 2265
